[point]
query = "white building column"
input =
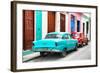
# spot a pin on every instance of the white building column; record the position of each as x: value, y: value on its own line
x: 75, y: 24
x: 89, y: 30
x: 85, y: 27
x: 88, y: 35
x: 57, y: 22
x: 44, y: 23
x: 83, y: 20
x: 81, y: 24
x: 66, y: 22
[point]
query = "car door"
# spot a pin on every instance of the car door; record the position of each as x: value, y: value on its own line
x: 72, y: 42
x: 69, y: 42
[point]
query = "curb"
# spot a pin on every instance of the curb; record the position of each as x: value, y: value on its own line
x: 30, y: 56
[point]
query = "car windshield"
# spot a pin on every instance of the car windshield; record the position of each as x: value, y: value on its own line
x: 75, y: 35
x: 57, y: 36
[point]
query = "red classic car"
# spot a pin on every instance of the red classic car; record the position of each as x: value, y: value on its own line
x: 82, y: 39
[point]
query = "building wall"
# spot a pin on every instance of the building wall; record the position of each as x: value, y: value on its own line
x: 58, y: 22
x: 41, y: 23
x: 44, y: 23
x: 77, y: 17
x: 84, y: 20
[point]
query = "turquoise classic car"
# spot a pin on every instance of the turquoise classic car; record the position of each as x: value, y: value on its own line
x: 60, y: 42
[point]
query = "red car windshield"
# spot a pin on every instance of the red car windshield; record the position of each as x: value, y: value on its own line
x: 75, y: 35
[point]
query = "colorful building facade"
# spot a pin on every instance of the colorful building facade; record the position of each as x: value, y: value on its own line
x: 38, y: 23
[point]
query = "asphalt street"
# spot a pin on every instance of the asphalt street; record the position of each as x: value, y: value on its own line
x: 83, y: 53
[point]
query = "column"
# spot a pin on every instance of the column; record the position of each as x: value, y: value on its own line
x: 44, y: 23
x: 38, y: 24
x: 57, y: 25
x: 66, y: 23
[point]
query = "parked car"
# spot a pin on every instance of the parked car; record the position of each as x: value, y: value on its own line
x: 82, y: 39
x: 60, y: 42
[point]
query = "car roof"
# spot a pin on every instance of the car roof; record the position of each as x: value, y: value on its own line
x: 76, y: 32
x: 61, y: 33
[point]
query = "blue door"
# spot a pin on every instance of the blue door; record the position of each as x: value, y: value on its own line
x: 72, y: 23
x: 38, y: 15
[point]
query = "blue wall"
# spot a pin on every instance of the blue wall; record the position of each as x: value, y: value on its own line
x: 38, y: 14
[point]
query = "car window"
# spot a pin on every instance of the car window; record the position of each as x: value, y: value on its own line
x: 66, y: 36
x: 57, y: 36
x: 75, y: 35
x: 70, y: 36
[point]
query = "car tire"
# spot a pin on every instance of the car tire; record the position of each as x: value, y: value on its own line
x: 42, y: 54
x: 76, y: 47
x: 87, y: 43
x: 82, y: 44
x: 64, y: 53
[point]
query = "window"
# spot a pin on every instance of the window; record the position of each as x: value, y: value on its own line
x: 66, y: 36
x: 55, y: 36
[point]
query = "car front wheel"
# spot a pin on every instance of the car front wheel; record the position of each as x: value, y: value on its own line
x: 87, y: 43
x: 42, y: 54
x: 63, y: 54
x: 82, y: 44
x: 76, y: 47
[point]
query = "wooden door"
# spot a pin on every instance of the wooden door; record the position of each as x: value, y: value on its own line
x: 62, y: 22
x: 78, y: 26
x: 51, y: 21
x: 28, y: 29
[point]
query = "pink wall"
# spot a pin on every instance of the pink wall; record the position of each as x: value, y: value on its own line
x: 77, y: 17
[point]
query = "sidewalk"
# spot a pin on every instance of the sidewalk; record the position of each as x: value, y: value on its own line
x: 29, y: 55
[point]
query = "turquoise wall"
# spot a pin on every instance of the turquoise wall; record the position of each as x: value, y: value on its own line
x: 38, y: 14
